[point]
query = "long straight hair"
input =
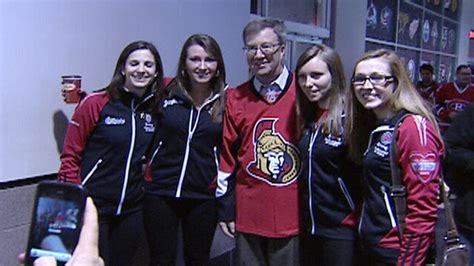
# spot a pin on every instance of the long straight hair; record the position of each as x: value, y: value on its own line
x: 306, y: 110
x: 183, y: 82
x: 360, y: 121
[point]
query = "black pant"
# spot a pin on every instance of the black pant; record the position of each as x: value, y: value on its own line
x: 198, y: 221
x: 369, y: 257
x: 255, y: 250
x: 120, y: 237
x: 321, y: 251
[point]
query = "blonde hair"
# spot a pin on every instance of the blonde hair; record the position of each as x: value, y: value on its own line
x: 360, y: 121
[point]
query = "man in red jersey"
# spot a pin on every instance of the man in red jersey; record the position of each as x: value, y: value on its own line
x: 452, y: 97
x: 259, y: 162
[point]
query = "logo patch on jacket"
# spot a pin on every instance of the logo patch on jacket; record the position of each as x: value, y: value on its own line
x: 169, y: 102
x: 423, y: 165
x: 386, y: 138
x: 333, y: 141
x: 114, y: 121
x: 382, y: 147
x: 276, y: 161
x: 148, y: 126
x: 146, y: 116
x: 457, y: 104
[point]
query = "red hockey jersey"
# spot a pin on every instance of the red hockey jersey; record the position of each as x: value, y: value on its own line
x: 258, y: 151
x: 451, y: 98
x: 427, y: 91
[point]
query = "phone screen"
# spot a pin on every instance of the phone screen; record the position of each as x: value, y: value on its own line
x: 57, y: 221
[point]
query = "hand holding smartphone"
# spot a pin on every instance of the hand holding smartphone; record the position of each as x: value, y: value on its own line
x: 56, y: 221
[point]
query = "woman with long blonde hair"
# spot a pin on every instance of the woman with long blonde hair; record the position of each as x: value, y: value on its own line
x: 381, y: 93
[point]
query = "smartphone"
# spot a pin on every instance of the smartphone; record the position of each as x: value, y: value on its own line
x: 56, y: 221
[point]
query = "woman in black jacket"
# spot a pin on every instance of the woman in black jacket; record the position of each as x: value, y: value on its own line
x: 104, y: 147
x: 381, y: 94
x: 183, y: 165
x: 329, y: 184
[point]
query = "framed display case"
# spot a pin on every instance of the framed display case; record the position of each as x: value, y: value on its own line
x: 381, y: 19
x: 420, y: 31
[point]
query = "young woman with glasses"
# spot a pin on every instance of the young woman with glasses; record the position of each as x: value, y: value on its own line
x: 381, y: 93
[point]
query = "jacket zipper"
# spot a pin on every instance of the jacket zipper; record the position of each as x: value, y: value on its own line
x: 359, y: 229
x: 91, y: 172
x: 130, y: 153
x: 346, y: 193
x: 191, y: 129
x: 313, y: 136
x: 155, y: 152
x: 216, y: 158
x: 387, y: 205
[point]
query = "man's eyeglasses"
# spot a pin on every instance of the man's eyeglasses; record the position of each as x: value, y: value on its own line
x: 374, y: 79
x: 266, y: 48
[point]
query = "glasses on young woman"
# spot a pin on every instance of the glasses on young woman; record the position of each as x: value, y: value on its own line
x: 374, y: 79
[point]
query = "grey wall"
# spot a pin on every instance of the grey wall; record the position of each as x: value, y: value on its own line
x: 349, y: 31
x: 41, y: 40
x: 15, y: 215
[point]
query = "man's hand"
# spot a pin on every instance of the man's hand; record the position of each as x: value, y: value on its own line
x: 228, y: 228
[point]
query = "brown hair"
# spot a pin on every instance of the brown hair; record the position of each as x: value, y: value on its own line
x: 183, y: 83
x: 118, y: 79
x: 306, y: 110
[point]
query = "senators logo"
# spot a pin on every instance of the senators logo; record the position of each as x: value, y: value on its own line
x: 276, y: 160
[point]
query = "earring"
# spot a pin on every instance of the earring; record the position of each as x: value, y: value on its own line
x: 217, y: 73
x: 183, y: 73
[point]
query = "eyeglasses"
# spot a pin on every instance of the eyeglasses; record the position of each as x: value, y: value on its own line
x: 374, y: 79
x: 266, y: 48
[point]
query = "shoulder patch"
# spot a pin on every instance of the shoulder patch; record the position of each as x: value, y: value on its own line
x: 423, y: 165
